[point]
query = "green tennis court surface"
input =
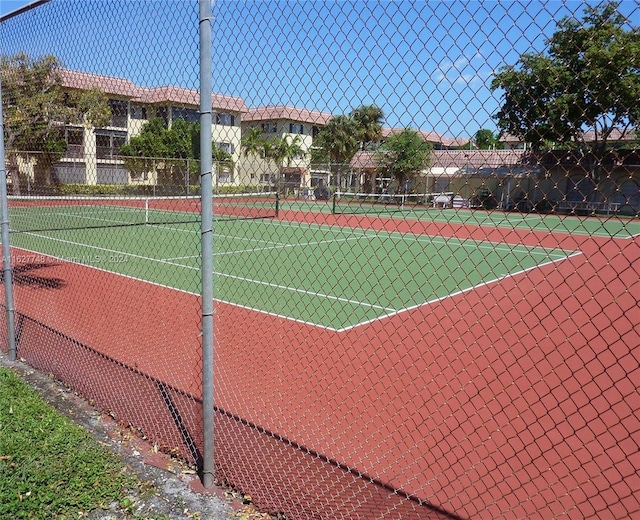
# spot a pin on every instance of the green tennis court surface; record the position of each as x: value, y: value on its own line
x: 611, y: 226
x: 331, y: 277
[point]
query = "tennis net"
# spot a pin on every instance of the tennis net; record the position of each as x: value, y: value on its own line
x: 372, y: 203
x: 51, y: 213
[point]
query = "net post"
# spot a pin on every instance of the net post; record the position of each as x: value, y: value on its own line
x: 277, y: 204
x: 7, y: 272
x: 206, y: 212
x: 334, y: 202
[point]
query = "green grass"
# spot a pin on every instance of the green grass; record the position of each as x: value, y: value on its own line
x: 49, y: 466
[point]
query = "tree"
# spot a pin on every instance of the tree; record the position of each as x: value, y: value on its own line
x: 587, y: 81
x: 339, y: 142
x: 485, y: 139
x: 149, y: 143
x: 318, y: 155
x: 339, y: 139
x: 222, y: 160
x: 253, y: 143
x: 36, y: 110
x: 369, y: 119
x: 182, y: 140
x: 283, y: 150
x: 171, y: 152
x: 403, y: 156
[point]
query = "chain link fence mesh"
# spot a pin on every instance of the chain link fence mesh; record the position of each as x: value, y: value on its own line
x: 425, y: 244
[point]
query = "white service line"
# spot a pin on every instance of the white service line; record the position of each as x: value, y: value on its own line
x: 307, y: 292
x: 259, y: 282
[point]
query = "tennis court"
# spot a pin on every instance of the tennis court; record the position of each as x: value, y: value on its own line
x: 335, y: 278
x: 315, y: 312
x: 606, y: 226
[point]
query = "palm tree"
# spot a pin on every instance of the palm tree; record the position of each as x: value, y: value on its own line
x: 253, y: 143
x: 369, y: 119
x: 222, y: 160
x: 339, y: 138
x: 283, y: 150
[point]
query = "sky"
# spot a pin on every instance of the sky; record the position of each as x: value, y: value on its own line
x: 6, y: 6
x: 428, y: 64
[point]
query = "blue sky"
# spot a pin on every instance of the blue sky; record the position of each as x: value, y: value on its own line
x: 427, y: 64
x: 6, y: 6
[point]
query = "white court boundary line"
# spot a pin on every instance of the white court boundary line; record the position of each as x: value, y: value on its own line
x: 395, y: 235
x: 457, y: 293
x: 141, y: 257
x: 391, y: 311
x: 510, y: 218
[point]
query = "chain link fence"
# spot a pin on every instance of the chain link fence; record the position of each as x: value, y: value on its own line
x: 425, y: 244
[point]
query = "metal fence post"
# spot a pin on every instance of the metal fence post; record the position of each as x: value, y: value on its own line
x: 206, y: 158
x: 6, y: 246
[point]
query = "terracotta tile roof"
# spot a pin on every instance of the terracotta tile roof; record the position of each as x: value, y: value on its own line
x: 272, y: 113
x: 430, y: 137
x: 452, y: 142
x: 172, y: 94
x: 166, y: 94
x: 509, y: 138
x: 363, y: 161
x: 476, y: 158
x: 453, y: 159
x: 109, y: 85
x: 185, y: 96
x: 234, y: 104
x: 617, y: 134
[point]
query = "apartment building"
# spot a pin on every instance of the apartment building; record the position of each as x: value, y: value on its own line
x: 290, y: 123
x: 93, y: 153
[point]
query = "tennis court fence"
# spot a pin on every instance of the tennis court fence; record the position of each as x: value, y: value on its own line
x: 357, y: 259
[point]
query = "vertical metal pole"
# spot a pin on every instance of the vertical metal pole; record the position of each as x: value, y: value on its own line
x: 6, y: 246
x: 206, y: 158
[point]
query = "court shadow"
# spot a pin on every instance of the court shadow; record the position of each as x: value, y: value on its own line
x: 23, y: 275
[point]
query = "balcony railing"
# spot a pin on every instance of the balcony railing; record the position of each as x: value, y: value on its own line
x: 74, y: 151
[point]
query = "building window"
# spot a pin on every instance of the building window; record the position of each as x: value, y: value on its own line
x: 163, y: 113
x: 190, y: 115
x: 314, y: 131
x: 267, y: 178
x: 225, y: 176
x: 138, y: 112
x: 225, y: 119
x: 119, y: 110
x: 75, y: 142
x: 226, y: 147
x: 296, y: 128
x: 108, y: 143
x: 269, y: 128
